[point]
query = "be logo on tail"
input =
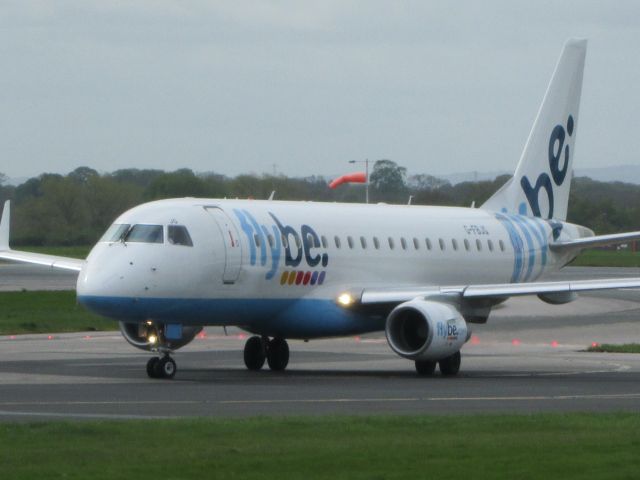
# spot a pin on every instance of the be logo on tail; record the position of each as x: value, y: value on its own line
x: 558, y: 155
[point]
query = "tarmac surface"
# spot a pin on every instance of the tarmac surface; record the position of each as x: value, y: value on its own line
x: 527, y: 358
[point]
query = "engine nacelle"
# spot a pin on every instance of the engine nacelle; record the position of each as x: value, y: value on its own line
x: 150, y: 337
x: 426, y: 330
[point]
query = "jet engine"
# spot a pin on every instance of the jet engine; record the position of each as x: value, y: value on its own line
x: 426, y: 330
x: 150, y: 336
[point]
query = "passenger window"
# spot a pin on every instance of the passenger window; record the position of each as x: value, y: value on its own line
x: 391, y: 244
x: 478, y: 244
x: 442, y: 244
x: 298, y: 244
x: 179, y: 235
x: 428, y: 243
x: 145, y: 234
x: 270, y: 239
x: 285, y: 243
x: 454, y: 243
x: 256, y: 239
x: 490, y: 245
x: 115, y: 232
x: 376, y: 243
x: 501, y: 243
x: 416, y: 244
x: 403, y: 242
x: 350, y: 241
x: 323, y: 239
x: 363, y: 242
x: 466, y: 244
x: 337, y: 240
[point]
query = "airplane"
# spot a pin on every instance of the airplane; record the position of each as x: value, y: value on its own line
x: 304, y: 270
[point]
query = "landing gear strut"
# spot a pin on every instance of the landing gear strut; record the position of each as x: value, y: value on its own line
x: 164, y: 367
x: 275, y: 352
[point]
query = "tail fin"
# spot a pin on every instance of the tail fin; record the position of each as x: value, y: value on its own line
x: 540, y: 185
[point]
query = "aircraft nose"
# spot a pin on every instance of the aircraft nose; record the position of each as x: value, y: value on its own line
x: 108, y: 271
x: 96, y: 279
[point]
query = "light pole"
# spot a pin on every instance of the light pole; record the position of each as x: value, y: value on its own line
x: 366, y: 176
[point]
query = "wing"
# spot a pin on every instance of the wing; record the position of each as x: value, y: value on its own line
x: 372, y: 296
x: 53, y: 261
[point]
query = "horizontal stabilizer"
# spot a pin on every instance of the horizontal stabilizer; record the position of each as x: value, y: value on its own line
x: 595, y: 241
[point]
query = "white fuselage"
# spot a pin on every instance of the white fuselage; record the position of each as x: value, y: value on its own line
x: 277, y: 267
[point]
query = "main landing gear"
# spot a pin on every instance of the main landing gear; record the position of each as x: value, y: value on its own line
x: 449, y: 366
x: 161, y: 367
x: 274, y: 351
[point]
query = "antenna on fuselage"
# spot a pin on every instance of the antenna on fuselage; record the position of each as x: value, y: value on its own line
x: 410, y: 199
x: 273, y: 194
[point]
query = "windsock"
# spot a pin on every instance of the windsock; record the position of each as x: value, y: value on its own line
x: 356, y: 177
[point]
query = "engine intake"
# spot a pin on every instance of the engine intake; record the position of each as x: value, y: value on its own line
x: 426, y: 330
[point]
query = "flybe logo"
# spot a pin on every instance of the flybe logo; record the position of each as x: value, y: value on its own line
x: 558, y: 156
x: 447, y: 330
x: 300, y: 249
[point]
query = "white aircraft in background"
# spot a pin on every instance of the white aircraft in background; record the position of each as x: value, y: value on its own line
x: 304, y: 270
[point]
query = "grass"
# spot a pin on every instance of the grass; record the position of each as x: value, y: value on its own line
x: 563, y: 446
x: 615, y: 348
x: 44, y: 312
x: 607, y: 258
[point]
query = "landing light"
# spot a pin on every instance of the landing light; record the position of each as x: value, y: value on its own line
x: 345, y: 299
x: 152, y: 339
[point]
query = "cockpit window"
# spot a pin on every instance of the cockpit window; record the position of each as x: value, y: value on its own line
x: 145, y: 234
x: 115, y: 232
x: 179, y: 235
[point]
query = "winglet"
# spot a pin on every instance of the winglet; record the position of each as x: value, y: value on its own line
x: 4, y: 226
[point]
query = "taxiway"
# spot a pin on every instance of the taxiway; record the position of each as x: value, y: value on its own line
x: 528, y: 358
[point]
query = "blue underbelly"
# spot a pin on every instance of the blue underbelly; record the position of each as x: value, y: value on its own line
x: 290, y: 318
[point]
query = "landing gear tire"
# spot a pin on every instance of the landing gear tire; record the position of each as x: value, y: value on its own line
x: 450, y: 365
x: 165, y: 368
x: 278, y: 354
x: 254, y: 353
x: 425, y: 367
x: 151, y: 367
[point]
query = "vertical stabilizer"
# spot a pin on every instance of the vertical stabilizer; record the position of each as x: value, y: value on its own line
x: 540, y: 185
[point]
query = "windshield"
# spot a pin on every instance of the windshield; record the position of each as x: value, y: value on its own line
x: 145, y: 234
x: 178, y: 235
x: 115, y: 232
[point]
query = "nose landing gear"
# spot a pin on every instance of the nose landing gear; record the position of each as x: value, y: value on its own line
x: 274, y: 351
x: 164, y: 367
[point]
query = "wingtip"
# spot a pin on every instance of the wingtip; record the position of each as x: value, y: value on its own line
x: 4, y: 226
x: 578, y: 42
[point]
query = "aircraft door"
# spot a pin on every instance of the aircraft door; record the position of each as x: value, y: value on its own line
x: 231, y: 242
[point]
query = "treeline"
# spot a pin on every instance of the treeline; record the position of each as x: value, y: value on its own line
x: 75, y: 209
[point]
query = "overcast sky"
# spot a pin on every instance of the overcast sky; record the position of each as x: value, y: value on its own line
x: 238, y: 86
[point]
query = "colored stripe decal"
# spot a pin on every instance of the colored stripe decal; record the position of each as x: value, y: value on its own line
x: 532, y: 248
x: 516, y: 243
